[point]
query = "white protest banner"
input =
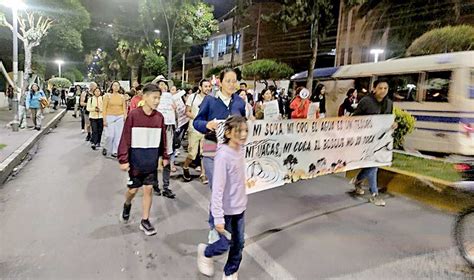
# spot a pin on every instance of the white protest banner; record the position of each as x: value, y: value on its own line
x: 313, y: 108
x: 180, y: 108
x: 166, y: 108
x: 280, y: 152
x: 271, y: 110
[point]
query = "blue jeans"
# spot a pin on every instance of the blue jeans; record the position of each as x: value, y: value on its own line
x: 235, y: 225
x: 208, y: 163
x: 371, y: 174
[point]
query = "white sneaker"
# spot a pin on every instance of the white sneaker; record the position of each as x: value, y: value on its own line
x: 230, y: 277
x: 198, y: 169
x: 83, y: 131
x: 205, y: 265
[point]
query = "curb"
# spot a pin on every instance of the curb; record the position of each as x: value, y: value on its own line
x: 437, y: 193
x: 9, y: 164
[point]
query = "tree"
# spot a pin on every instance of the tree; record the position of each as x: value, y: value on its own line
x: 239, y: 12
x: 60, y: 82
x: 266, y: 69
x: 405, y: 21
x: 33, y: 28
x: 71, y: 18
x: 132, y: 54
x: 182, y: 22
x: 441, y: 40
x: 154, y: 61
x: 316, y: 13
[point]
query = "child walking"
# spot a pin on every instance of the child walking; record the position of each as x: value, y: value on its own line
x: 228, y: 202
x: 143, y: 142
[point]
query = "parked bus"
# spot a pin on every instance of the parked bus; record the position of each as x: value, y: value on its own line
x: 438, y: 90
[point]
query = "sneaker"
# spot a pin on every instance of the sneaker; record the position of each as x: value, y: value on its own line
x: 147, y: 228
x: 125, y: 213
x: 198, y: 169
x: 83, y: 131
x: 114, y: 155
x: 157, y: 191
x: 204, y: 179
x: 186, y: 175
x: 74, y: 115
x: 377, y: 200
x: 359, y: 190
x: 358, y: 186
x: 177, y: 153
x: 93, y: 147
x: 88, y: 137
x: 168, y: 193
x: 205, y: 265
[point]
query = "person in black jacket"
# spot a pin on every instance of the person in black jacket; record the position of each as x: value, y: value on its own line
x: 376, y: 103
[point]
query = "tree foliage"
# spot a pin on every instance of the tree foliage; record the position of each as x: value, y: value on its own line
x: 446, y: 39
x: 71, y: 18
x: 216, y: 70
x: 266, y: 69
x: 407, y: 20
x: 182, y: 23
x: 315, y: 13
x: 60, y: 82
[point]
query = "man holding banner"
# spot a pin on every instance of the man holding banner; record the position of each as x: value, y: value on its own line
x: 376, y: 103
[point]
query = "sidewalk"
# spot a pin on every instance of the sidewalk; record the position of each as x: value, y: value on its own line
x: 14, y: 146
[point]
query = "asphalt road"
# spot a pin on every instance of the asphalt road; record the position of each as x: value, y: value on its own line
x: 59, y: 220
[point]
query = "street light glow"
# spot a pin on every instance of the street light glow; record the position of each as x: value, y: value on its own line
x: 59, y: 61
x: 376, y: 53
x: 14, y: 4
x: 110, y: 25
x: 157, y: 31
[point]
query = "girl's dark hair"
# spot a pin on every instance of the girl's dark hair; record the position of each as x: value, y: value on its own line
x: 350, y: 92
x: 112, y: 84
x: 231, y: 123
x: 225, y: 71
x: 97, y: 88
x: 317, y: 90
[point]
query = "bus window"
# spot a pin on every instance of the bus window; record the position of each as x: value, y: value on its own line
x: 362, y: 85
x: 437, y: 86
x: 402, y: 88
x: 471, y: 85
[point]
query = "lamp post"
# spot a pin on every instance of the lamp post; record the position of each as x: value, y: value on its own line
x: 156, y: 31
x: 15, y: 6
x: 59, y: 62
x: 376, y: 53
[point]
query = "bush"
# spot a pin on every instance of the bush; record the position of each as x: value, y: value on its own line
x: 60, y: 82
x: 406, y: 125
x: 441, y: 40
x: 265, y: 69
x: 147, y: 79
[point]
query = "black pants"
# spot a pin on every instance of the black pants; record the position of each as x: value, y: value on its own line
x: 97, y: 128
x: 83, y: 118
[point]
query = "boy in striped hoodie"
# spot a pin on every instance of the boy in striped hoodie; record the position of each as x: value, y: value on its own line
x: 143, y: 141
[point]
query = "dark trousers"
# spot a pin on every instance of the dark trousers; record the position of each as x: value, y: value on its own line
x: 235, y: 225
x: 97, y: 128
x: 83, y: 118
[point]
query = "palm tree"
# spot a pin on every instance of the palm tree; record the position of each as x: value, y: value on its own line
x: 132, y: 53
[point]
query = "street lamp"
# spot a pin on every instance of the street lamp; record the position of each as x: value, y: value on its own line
x: 59, y: 62
x: 15, y: 5
x: 376, y: 53
x: 157, y: 31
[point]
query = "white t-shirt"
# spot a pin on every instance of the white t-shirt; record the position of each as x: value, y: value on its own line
x: 194, y: 101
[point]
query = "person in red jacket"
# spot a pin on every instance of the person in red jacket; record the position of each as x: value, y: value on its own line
x: 143, y: 141
x: 136, y: 99
x: 300, y: 104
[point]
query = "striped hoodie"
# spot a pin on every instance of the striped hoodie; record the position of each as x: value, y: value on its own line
x: 143, y: 141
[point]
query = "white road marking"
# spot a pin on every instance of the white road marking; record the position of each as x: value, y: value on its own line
x: 268, y: 264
